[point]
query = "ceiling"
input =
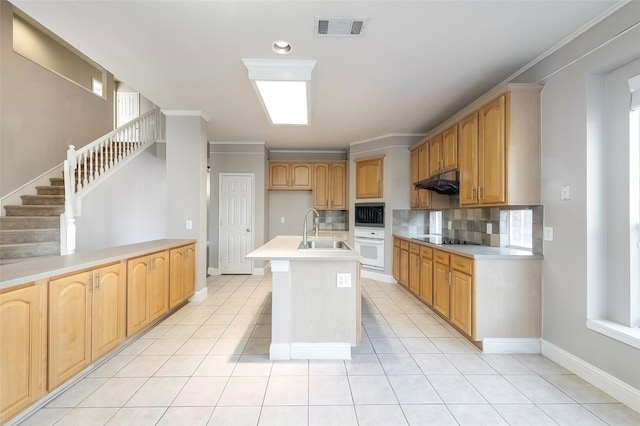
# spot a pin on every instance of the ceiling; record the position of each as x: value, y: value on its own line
x: 416, y: 63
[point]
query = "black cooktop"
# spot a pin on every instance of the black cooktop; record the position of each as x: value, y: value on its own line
x: 443, y: 240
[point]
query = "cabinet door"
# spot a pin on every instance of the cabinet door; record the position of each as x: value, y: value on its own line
x: 108, y: 317
x: 321, y: 186
x: 424, y: 196
x: 137, y: 293
x: 461, y: 298
x: 338, y: 186
x: 189, y: 277
x: 404, y: 268
x: 414, y: 273
x: 414, y: 173
x: 278, y: 175
x: 426, y: 280
x: 449, y: 152
x: 22, y: 337
x: 468, y: 146
x: 159, y: 285
x: 369, y: 178
x: 176, y: 278
x: 69, y: 327
x: 301, y: 176
x: 396, y: 263
x: 435, y: 155
x: 441, y: 289
x: 492, y: 152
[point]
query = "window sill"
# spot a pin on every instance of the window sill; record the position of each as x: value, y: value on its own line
x: 627, y: 335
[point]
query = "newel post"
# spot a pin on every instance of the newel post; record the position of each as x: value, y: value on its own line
x: 67, y: 220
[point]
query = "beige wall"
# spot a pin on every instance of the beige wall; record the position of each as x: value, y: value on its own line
x: 41, y: 113
x: 291, y: 206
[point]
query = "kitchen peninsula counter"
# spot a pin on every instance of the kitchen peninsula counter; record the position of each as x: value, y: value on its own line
x: 313, y: 317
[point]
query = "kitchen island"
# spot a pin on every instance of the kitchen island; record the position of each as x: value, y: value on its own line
x: 315, y: 299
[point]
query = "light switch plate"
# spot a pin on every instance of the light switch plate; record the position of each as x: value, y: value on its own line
x: 282, y: 219
x: 489, y: 228
x: 343, y: 279
x: 189, y: 224
x: 449, y: 224
x: 548, y: 233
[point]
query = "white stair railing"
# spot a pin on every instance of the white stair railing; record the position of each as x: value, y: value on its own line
x: 85, y: 168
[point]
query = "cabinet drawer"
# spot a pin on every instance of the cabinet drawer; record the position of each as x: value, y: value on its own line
x: 426, y: 252
x: 396, y: 242
x: 404, y: 245
x: 414, y: 248
x: 441, y: 257
x: 462, y: 264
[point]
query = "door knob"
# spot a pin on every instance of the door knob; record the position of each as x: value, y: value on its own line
x: 248, y: 229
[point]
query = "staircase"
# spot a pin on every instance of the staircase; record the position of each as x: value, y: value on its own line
x: 33, y: 228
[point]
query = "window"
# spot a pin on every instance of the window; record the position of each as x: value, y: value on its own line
x: 96, y: 86
x: 521, y: 229
x: 435, y: 222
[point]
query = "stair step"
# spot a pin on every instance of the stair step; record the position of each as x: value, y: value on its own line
x: 34, y: 210
x: 21, y: 236
x: 50, y: 190
x: 57, y: 182
x: 42, y: 200
x: 20, y: 251
x: 29, y: 222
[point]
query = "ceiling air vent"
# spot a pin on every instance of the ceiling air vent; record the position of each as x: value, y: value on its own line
x: 342, y: 27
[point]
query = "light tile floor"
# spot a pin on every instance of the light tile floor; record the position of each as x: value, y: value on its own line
x: 208, y: 364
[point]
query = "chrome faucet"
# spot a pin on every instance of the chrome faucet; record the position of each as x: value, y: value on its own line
x: 304, y: 231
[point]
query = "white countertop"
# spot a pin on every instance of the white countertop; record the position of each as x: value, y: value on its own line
x: 18, y: 273
x: 285, y: 247
x: 476, y: 252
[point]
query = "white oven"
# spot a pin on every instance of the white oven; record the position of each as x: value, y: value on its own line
x: 369, y: 243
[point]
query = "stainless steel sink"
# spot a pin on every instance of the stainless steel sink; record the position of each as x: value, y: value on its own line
x: 324, y: 245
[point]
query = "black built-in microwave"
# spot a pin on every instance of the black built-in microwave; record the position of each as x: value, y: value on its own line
x: 369, y: 214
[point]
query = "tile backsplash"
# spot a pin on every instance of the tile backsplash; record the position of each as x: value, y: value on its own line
x: 470, y: 224
x: 333, y: 220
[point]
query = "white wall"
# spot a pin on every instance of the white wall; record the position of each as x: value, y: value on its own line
x: 130, y: 207
x: 42, y: 114
x: 569, y: 131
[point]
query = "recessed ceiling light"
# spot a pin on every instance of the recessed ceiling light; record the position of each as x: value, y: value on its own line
x: 282, y: 47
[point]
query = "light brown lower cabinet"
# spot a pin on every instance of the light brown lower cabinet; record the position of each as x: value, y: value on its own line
x: 426, y: 275
x: 23, y: 335
x: 86, y: 319
x: 147, y: 290
x: 414, y: 269
x: 182, y: 268
x: 441, y: 288
x: 404, y: 264
x: 395, y: 267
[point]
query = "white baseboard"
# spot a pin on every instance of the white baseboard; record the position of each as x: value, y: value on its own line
x: 213, y: 271
x: 200, y: 294
x: 320, y: 351
x: 615, y: 387
x: 378, y: 276
x: 280, y: 351
x: 510, y: 346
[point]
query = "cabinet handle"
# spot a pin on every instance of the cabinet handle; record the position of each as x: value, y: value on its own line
x: 97, y: 277
x: 480, y: 194
x: 473, y: 193
x: 93, y: 282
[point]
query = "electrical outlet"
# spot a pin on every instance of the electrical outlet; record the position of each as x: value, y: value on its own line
x: 189, y: 224
x: 489, y: 228
x: 565, y: 192
x: 282, y: 219
x: 343, y: 280
x: 548, y: 233
x: 449, y: 225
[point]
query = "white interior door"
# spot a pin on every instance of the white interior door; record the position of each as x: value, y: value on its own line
x: 236, y: 223
x: 128, y: 107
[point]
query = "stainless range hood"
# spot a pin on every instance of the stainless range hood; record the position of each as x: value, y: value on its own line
x: 442, y: 184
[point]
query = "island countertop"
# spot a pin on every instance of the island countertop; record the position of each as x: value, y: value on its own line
x: 285, y: 247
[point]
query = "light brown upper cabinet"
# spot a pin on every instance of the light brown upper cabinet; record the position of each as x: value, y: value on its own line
x: 424, y: 197
x: 296, y: 176
x: 443, y: 152
x: 414, y: 173
x: 500, y: 150
x: 369, y: 175
x: 330, y: 186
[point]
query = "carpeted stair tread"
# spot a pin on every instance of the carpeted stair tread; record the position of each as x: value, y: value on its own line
x: 48, y: 200
x: 30, y: 222
x: 50, y: 190
x: 34, y: 210
x: 23, y: 236
x: 57, y: 181
x: 17, y: 251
